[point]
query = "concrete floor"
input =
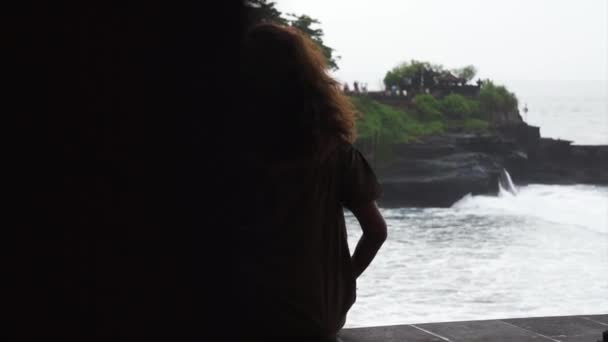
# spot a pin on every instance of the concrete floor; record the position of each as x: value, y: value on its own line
x: 539, y: 329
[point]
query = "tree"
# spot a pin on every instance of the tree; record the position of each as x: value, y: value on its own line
x: 468, y: 72
x: 493, y: 99
x: 412, y: 70
x: 259, y: 11
x: 304, y: 24
x: 263, y: 11
x: 427, y: 107
x: 455, y: 106
x: 391, y: 79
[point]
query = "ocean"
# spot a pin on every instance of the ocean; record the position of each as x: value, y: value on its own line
x: 570, y: 110
x: 540, y: 252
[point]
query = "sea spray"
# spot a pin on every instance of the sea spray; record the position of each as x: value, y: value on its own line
x: 489, y: 257
x: 505, y: 183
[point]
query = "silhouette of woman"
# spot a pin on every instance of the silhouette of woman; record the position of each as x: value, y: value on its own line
x: 297, y: 277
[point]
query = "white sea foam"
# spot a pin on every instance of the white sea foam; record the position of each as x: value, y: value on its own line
x: 541, y: 252
x: 584, y: 206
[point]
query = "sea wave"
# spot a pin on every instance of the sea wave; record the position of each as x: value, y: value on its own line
x: 583, y: 206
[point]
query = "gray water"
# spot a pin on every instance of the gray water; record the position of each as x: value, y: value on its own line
x: 540, y: 251
x: 570, y: 110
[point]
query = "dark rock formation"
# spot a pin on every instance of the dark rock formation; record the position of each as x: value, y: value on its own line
x: 560, y: 162
x: 510, y: 118
x: 439, y: 170
x: 442, y: 181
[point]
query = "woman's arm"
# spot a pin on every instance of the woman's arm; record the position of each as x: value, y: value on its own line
x: 374, y: 234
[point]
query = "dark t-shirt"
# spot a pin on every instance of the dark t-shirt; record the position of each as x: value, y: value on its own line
x: 297, y: 269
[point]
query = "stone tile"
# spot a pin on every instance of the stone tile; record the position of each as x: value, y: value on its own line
x: 387, y: 334
x: 598, y: 318
x: 538, y: 329
x: 582, y: 338
x: 482, y: 331
x: 565, y: 329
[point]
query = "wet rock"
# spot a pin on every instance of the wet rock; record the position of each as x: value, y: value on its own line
x: 439, y: 170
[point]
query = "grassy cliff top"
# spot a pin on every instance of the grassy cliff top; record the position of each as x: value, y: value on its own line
x: 401, y: 126
x: 389, y: 124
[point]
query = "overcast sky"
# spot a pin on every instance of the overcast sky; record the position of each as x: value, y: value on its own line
x: 504, y: 39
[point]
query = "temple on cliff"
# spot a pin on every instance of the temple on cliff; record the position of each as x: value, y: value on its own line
x: 438, y: 84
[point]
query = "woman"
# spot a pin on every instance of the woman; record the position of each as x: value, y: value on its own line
x: 296, y: 276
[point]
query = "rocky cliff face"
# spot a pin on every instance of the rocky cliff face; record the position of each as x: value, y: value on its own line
x: 439, y: 170
x: 560, y: 162
x: 507, y: 118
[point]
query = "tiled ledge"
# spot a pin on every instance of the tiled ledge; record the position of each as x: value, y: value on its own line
x: 538, y: 329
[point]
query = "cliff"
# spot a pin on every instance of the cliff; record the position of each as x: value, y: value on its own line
x: 438, y: 170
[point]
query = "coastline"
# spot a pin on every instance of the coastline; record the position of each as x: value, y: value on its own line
x: 437, y: 170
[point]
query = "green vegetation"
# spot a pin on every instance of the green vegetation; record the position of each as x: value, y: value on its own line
x: 458, y: 107
x: 493, y: 98
x: 415, y: 68
x: 304, y: 23
x: 265, y: 11
x: 389, y: 124
x: 467, y: 72
x: 427, y: 108
x: 408, y: 70
x: 380, y: 127
x: 430, y: 115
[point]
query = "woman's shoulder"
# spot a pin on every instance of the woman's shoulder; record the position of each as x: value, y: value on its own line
x: 337, y: 149
x: 348, y: 150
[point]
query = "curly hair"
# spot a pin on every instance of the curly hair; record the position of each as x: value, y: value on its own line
x: 286, y: 78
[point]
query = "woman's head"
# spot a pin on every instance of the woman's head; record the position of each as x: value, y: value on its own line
x: 287, y: 83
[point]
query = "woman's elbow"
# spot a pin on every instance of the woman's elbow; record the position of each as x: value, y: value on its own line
x: 379, y: 234
x: 372, y: 222
x: 382, y: 236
